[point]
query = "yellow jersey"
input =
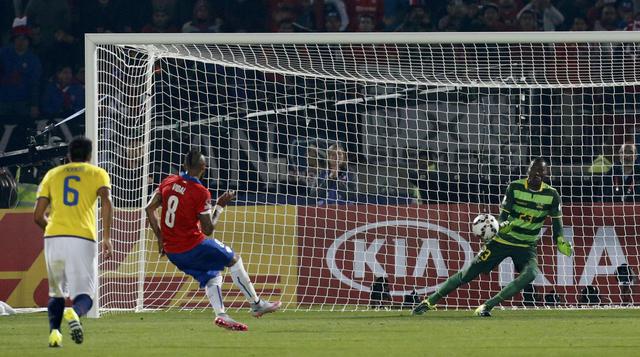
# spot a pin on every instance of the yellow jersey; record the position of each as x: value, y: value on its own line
x: 72, y: 190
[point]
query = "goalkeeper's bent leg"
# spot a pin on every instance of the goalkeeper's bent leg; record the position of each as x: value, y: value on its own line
x: 454, y: 281
x: 527, y: 275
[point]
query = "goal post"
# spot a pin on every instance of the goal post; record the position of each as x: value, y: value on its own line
x: 424, y: 131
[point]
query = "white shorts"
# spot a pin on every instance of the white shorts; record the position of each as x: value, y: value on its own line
x: 71, y: 266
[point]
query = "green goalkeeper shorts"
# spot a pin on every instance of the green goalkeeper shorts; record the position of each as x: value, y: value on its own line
x: 493, y: 253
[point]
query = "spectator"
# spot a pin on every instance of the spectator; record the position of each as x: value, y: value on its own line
x: 622, y: 184
x: 366, y: 23
x: 62, y: 97
x: 594, y: 12
x: 417, y: 20
x: 315, y: 164
x: 336, y: 185
x: 282, y: 11
x: 473, y: 8
x: 372, y: 10
x: 396, y: 12
x: 579, y: 24
x: 456, y: 18
x: 634, y: 25
x: 509, y: 10
x: 489, y: 19
x: 423, y: 178
x: 332, y: 22
x: 161, y: 22
x: 547, y: 15
x: 52, y: 20
x: 609, y: 20
x: 102, y: 16
x: 303, y: 177
x: 178, y: 11
x: 78, y: 77
x: 308, y: 15
x: 203, y: 19
x: 625, y: 12
x: 20, y: 71
x: 527, y: 21
x: 336, y: 18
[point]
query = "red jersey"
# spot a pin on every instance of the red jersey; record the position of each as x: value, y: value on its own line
x: 184, y: 198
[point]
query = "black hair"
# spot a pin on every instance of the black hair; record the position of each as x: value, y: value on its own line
x: 537, y: 161
x: 192, y: 160
x: 80, y: 149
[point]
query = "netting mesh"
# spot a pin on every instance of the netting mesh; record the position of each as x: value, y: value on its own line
x: 359, y: 167
x: 552, y: 65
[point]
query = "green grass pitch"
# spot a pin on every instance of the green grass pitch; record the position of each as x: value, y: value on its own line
x: 394, y: 333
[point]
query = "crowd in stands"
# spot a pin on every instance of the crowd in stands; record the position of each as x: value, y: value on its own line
x: 42, y: 71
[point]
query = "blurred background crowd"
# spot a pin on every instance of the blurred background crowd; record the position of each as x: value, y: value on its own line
x: 42, y: 55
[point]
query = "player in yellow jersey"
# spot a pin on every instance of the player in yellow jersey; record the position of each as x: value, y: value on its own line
x: 70, y: 192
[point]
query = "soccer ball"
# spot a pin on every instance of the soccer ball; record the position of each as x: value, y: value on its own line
x: 485, y: 226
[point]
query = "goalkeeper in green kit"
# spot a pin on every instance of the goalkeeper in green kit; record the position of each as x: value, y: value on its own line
x: 523, y: 211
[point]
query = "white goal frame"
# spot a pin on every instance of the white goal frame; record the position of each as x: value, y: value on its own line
x: 93, y: 40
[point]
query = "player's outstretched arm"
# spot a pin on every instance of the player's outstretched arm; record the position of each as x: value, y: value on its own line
x: 563, y: 245
x: 150, y: 209
x: 107, y: 217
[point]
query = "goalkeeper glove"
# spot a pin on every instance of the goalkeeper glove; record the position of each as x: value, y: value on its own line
x: 564, y: 246
x: 505, y: 227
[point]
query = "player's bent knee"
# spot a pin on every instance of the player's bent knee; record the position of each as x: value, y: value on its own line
x: 233, y: 261
x: 217, y: 281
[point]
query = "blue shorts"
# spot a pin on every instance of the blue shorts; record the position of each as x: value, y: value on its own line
x: 204, y: 261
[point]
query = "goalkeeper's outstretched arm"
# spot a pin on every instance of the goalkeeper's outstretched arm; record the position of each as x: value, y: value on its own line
x: 556, y: 217
x: 562, y: 244
x: 557, y: 228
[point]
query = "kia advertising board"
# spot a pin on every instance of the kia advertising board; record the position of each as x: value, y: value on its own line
x: 343, y: 249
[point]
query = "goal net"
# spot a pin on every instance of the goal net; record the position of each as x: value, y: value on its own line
x: 360, y: 160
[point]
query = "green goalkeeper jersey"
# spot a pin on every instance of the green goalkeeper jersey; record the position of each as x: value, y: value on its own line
x: 526, y: 211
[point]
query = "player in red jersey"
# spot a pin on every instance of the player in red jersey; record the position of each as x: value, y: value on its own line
x: 186, y: 203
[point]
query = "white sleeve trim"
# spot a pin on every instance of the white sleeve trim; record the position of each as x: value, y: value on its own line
x: 217, y: 212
